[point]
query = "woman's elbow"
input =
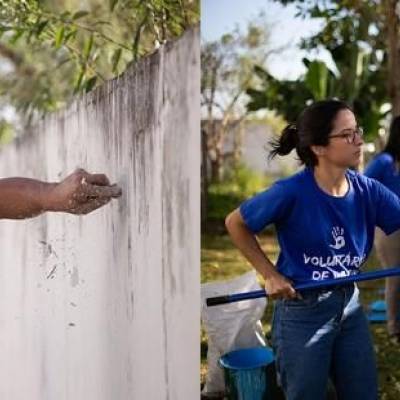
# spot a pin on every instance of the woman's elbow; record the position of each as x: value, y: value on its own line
x: 232, y: 220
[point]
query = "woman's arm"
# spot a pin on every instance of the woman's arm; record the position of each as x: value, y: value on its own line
x: 79, y: 193
x: 276, y: 285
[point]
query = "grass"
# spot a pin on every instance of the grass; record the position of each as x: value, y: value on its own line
x: 221, y: 261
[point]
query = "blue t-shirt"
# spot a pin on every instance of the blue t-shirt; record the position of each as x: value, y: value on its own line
x: 322, y: 236
x: 383, y: 169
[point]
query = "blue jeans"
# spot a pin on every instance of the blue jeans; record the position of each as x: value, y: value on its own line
x: 324, y: 335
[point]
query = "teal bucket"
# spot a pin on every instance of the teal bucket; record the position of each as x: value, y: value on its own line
x: 246, y: 374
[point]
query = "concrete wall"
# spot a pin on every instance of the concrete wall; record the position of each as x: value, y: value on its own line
x: 106, y: 306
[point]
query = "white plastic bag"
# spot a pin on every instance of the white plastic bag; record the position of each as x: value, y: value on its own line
x: 230, y: 326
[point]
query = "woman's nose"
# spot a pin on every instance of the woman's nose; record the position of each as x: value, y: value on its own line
x: 359, y: 140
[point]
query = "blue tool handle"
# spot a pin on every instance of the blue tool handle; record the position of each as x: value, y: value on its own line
x: 364, y: 276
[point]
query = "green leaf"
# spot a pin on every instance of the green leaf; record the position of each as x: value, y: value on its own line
x: 71, y: 34
x: 115, y: 59
x: 316, y: 79
x: 90, y: 84
x: 65, y: 15
x: 59, y: 37
x: 79, y: 80
x: 88, y: 48
x: 29, y: 37
x: 113, y: 3
x: 17, y: 35
x: 227, y: 39
x: 40, y: 27
x: 4, y: 28
x: 80, y: 14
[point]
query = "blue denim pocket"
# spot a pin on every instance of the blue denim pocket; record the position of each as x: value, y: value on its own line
x: 309, y: 301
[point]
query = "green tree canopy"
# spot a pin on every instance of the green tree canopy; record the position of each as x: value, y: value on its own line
x: 52, y: 50
x: 354, y: 33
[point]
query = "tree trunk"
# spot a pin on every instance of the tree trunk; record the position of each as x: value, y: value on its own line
x: 215, y: 145
x: 393, y: 40
x: 204, y: 179
x: 217, y: 166
x: 238, y: 144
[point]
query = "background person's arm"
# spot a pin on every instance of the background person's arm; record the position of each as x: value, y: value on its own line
x: 79, y: 193
x: 376, y: 167
x: 276, y: 285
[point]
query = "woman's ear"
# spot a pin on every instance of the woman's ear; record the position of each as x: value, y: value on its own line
x: 318, y: 150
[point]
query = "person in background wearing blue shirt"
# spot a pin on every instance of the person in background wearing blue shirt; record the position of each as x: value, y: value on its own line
x: 385, y: 169
x: 325, y: 217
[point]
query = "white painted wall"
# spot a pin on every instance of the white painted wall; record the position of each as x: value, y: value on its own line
x: 106, y: 306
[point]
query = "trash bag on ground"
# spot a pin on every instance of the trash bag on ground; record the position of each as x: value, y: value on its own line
x: 230, y: 326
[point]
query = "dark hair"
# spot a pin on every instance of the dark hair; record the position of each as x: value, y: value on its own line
x: 393, y: 145
x: 312, y: 127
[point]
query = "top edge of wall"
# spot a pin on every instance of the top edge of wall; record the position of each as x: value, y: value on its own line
x: 102, y: 90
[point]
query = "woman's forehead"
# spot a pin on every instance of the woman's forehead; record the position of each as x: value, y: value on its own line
x: 345, y: 119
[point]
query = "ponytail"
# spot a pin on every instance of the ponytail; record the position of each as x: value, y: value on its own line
x: 288, y: 141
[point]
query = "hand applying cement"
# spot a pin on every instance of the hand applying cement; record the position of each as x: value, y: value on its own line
x: 79, y: 193
x: 82, y: 193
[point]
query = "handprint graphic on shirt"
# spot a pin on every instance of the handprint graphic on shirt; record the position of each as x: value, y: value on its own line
x: 338, y: 237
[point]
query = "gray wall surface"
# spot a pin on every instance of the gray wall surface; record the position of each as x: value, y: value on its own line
x: 106, y: 306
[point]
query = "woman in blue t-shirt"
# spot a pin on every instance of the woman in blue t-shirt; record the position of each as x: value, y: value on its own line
x: 325, y: 217
x: 385, y: 169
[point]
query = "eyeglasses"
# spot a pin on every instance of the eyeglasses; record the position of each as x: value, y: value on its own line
x: 350, y: 134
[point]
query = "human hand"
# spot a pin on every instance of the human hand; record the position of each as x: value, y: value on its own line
x: 81, y: 193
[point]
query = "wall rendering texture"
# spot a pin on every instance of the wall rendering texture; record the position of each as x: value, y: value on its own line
x: 106, y: 306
